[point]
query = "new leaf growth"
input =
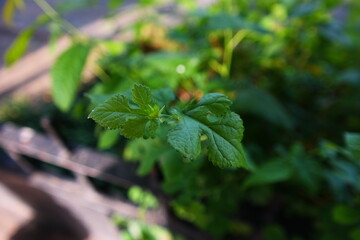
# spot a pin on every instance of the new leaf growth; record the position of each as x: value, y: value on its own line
x: 141, y: 116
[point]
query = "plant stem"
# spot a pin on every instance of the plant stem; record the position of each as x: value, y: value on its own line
x: 228, y: 36
x: 228, y: 51
x: 72, y: 31
x: 55, y: 16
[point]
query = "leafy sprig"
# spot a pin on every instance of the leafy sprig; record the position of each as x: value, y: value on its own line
x: 211, y: 117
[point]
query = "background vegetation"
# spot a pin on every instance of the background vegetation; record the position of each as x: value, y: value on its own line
x: 292, y: 71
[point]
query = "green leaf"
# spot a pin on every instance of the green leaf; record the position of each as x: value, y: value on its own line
x: 113, y: 113
x: 133, y: 121
x: 216, y: 103
x: 352, y: 141
x: 108, y: 138
x: 141, y: 95
x: 224, y: 132
x: 66, y: 74
x: 19, y: 46
x: 270, y: 172
x: 134, y: 127
x: 151, y: 127
x: 185, y: 137
x: 224, y: 136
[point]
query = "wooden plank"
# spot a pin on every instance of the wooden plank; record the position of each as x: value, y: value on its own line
x: 85, y: 161
x: 88, y: 162
x: 13, y: 212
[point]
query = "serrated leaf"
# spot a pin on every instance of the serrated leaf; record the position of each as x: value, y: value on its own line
x: 185, y: 137
x: 141, y: 95
x: 66, y: 74
x: 224, y: 132
x: 224, y: 136
x: 133, y: 121
x: 151, y: 127
x: 97, y: 99
x: 134, y: 127
x: 113, y: 112
x: 217, y: 103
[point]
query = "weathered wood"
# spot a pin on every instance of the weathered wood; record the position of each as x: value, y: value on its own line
x: 71, y: 192
x: 85, y: 161
x: 14, y: 212
x: 49, y: 220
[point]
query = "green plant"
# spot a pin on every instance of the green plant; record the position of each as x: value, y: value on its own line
x: 288, y: 68
x: 188, y: 123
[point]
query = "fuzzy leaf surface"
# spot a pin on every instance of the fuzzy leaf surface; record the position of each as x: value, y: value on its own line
x: 133, y: 121
x: 215, y: 103
x: 224, y: 130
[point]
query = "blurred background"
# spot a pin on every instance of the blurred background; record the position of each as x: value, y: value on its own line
x: 290, y: 67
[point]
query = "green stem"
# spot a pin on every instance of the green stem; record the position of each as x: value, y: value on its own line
x: 228, y: 36
x: 228, y: 51
x: 71, y: 30
x: 100, y: 72
x: 238, y: 37
x: 55, y: 16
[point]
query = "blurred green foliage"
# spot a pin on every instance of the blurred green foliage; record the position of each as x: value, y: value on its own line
x: 291, y: 69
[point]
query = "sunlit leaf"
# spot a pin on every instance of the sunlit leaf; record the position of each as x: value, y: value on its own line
x: 19, y: 46
x: 67, y: 73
